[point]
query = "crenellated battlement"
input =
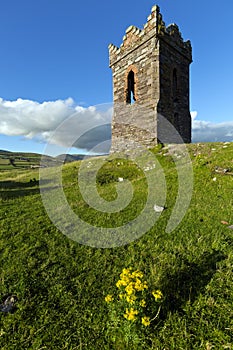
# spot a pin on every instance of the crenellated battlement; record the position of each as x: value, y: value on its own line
x: 154, y: 27
x: 173, y: 36
x: 134, y: 35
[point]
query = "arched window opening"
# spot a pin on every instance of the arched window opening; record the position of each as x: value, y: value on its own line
x: 131, y: 88
x: 174, y: 84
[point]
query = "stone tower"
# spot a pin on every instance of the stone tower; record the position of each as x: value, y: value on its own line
x: 150, y: 69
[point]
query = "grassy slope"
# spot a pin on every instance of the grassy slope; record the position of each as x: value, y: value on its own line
x: 61, y: 284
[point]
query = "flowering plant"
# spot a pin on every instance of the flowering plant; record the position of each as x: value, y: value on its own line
x: 134, y: 302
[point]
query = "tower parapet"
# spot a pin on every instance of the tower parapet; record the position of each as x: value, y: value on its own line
x: 154, y: 26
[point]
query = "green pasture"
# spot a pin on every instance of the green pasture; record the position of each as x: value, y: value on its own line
x: 61, y: 284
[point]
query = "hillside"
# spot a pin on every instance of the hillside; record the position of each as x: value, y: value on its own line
x: 57, y: 286
x: 21, y: 160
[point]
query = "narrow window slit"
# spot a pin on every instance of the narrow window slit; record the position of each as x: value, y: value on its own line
x: 131, y: 88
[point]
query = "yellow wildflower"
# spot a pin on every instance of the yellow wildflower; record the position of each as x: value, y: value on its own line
x: 125, y: 280
x: 122, y: 282
x: 129, y: 289
x: 118, y: 284
x: 108, y: 298
x: 142, y: 303
x: 157, y: 294
x: 138, y: 285
x: 137, y: 274
x: 131, y: 298
x: 125, y: 273
x: 145, y: 321
x: 131, y: 314
x: 121, y: 296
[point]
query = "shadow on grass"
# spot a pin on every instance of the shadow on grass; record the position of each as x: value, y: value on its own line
x: 13, y: 189
x: 10, y: 194
x: 187, y: 281
x: 14, y: 184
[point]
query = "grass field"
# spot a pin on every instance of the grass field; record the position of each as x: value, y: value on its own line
x: 61, y: 285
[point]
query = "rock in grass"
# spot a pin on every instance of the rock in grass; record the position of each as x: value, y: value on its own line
x: 158, y: 209
x: 224, y: 222
x: 8, y: 304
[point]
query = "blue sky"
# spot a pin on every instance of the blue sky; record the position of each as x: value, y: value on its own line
x: 54, y: 60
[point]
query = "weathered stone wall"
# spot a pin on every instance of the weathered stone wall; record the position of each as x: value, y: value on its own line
x: 175, y: 54
x: 151, y: 54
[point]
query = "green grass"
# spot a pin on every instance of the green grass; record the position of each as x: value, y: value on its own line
x: 61, y: 284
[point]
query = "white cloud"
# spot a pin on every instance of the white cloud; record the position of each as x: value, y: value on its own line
x: 39, y: 120
x: 30, y: 118
x: 203, y: 131
x: 193, y: 114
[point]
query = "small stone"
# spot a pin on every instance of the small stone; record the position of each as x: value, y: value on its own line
x: 214, y: 179
x: 158, y: 208
x: 224, y: 222
x: 230, y: 227
x: 8, y: 304
x: 120, y: 179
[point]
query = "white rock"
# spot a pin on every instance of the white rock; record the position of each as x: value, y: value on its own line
x: 158, y: 209
x: 120, y: 179
x: 214, y: 179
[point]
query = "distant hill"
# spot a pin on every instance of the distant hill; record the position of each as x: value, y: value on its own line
x: 10, y: 160
x: 19, y: 154
x: 2, y: 151
x: 70, y: 157
x: 20, y: 160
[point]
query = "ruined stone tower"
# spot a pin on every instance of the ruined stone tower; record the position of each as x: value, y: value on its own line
x: 150, y: 69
